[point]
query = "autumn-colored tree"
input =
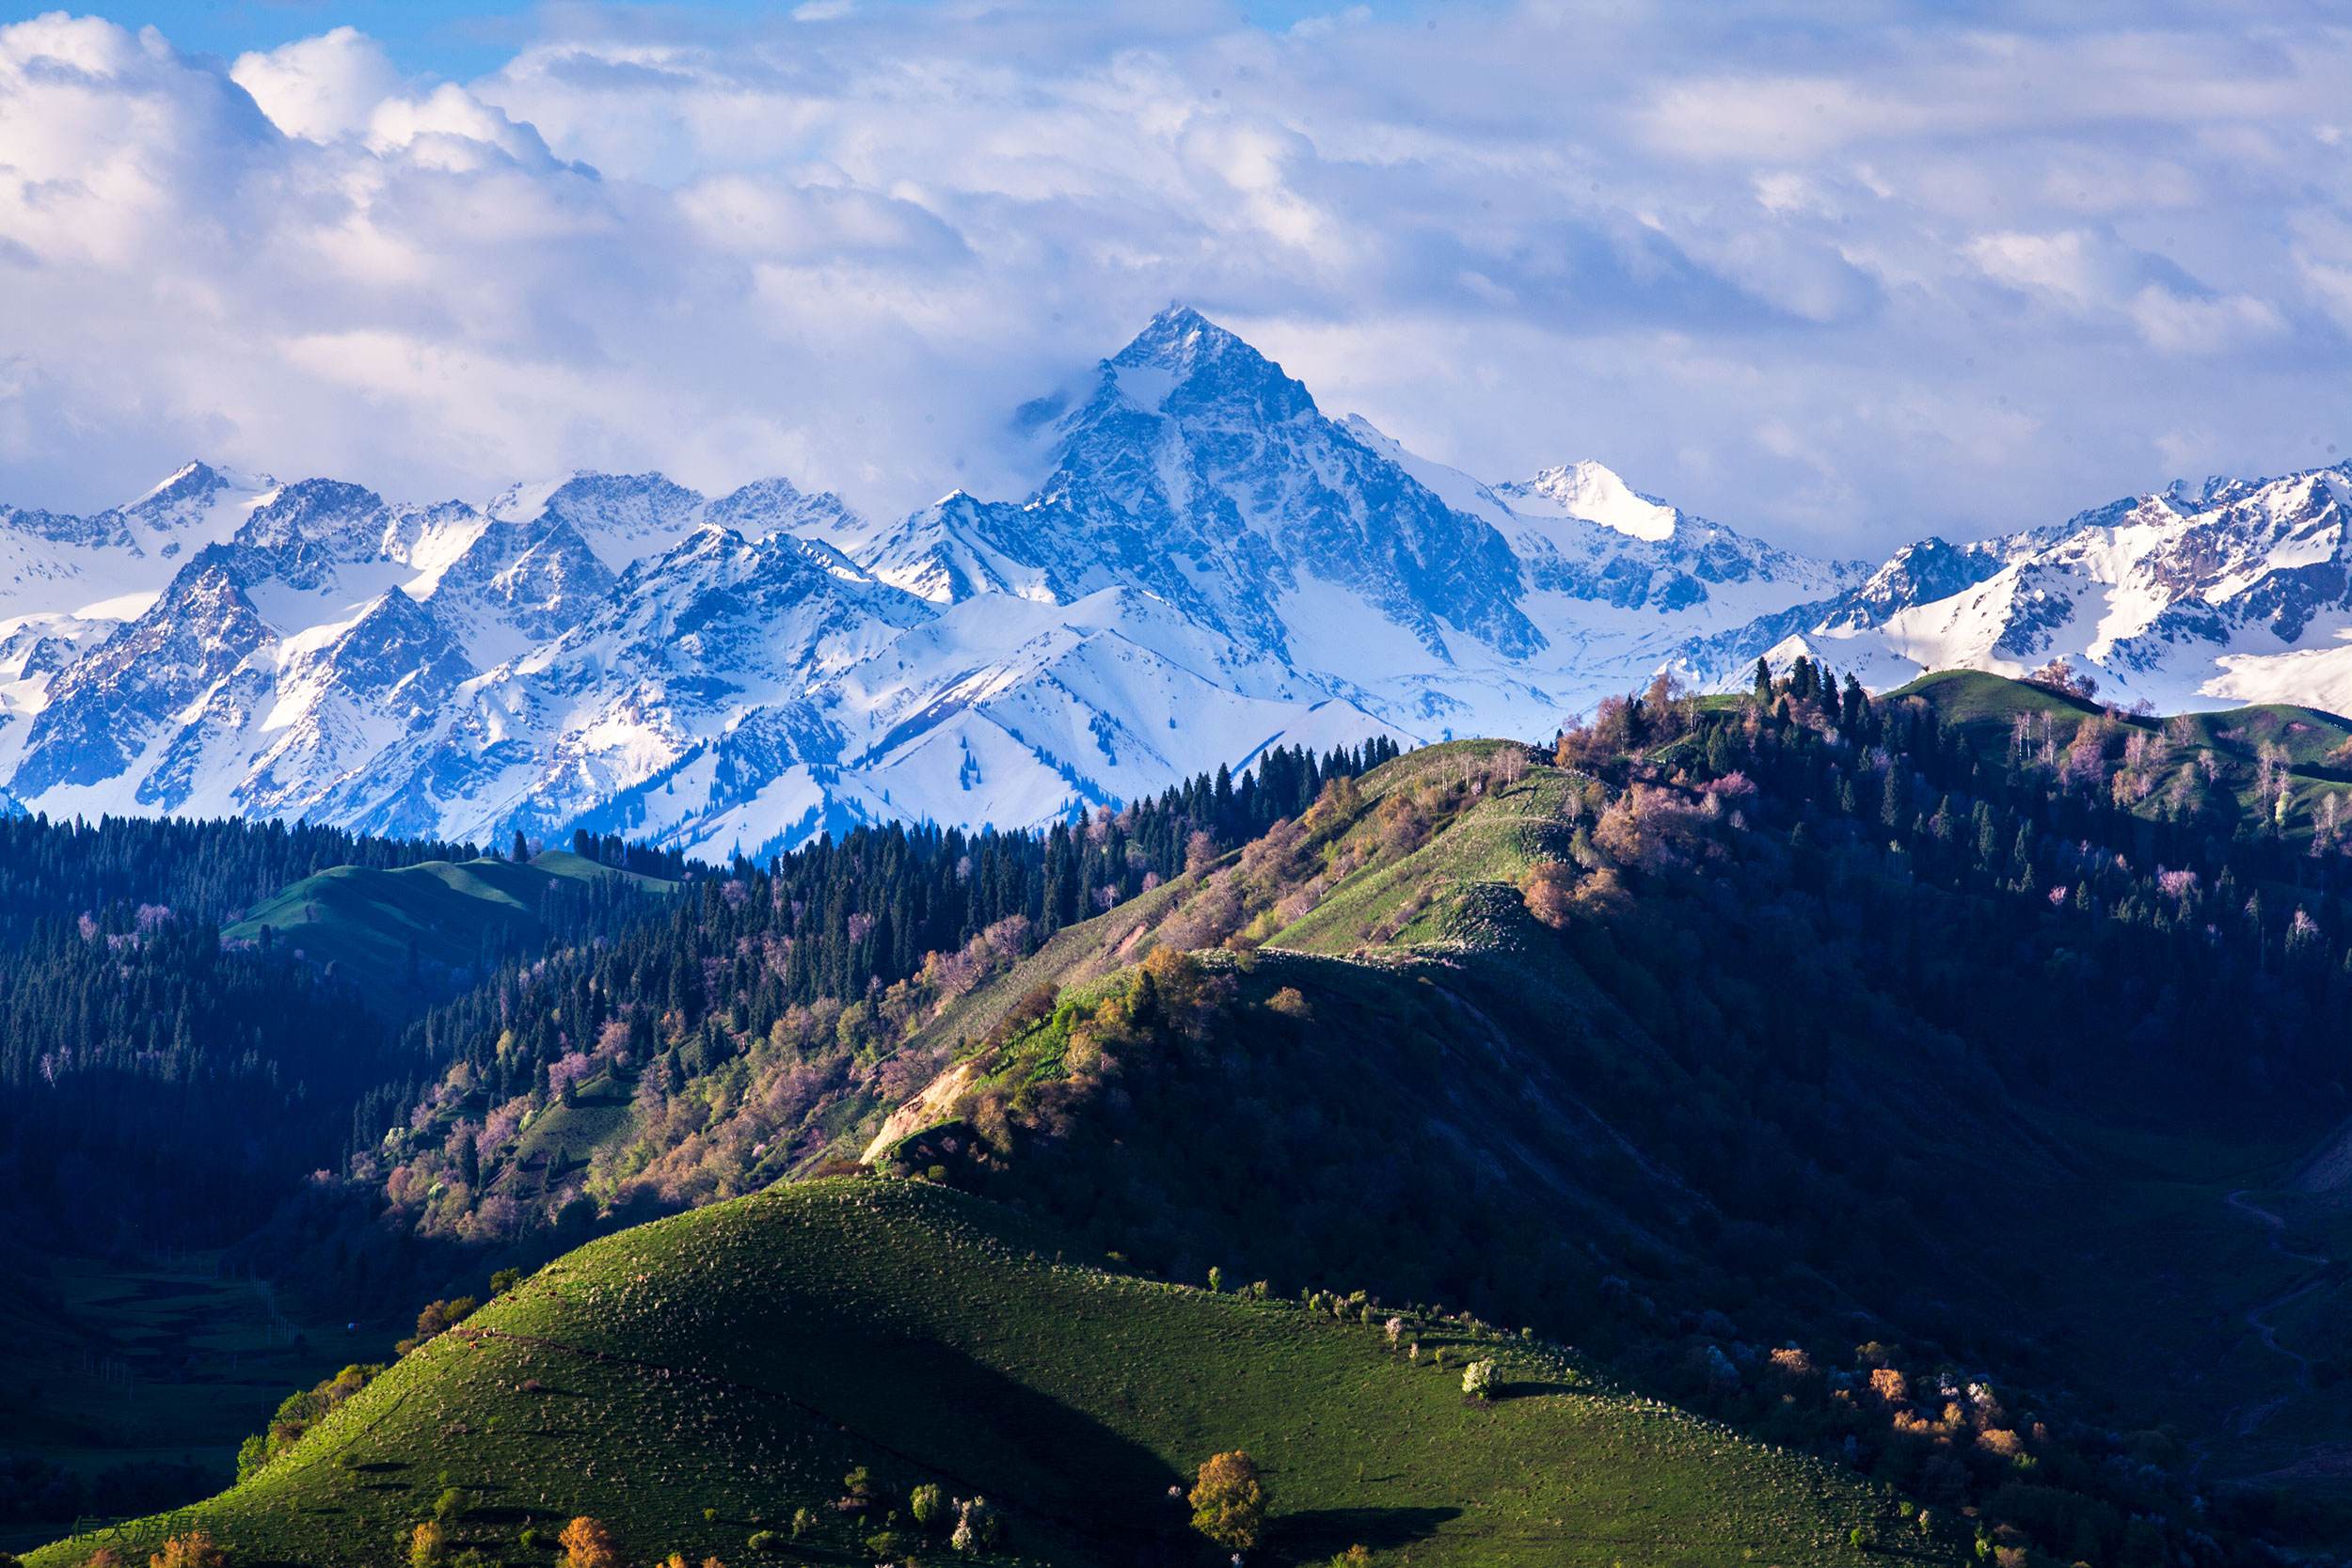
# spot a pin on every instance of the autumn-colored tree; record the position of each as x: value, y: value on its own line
x: 428, y: 1547
x: 196, y: 1549
x: 1228, y: 1501
x: 1549, y: 889
x: 588, y: 1544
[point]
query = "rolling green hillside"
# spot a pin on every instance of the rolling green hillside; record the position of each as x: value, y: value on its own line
x: 388, y: 930
x: 740, y: 1361
x: 2191, y: 763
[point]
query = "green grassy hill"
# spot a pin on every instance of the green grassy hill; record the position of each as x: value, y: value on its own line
x: 2215, y: 756
x: 392, y: 930
x: 740, y: 1360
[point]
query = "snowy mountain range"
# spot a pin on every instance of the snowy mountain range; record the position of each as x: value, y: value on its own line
x: 1212, y: 567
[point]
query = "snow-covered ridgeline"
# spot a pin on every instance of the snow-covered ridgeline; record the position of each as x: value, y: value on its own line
x: 1212, y: 567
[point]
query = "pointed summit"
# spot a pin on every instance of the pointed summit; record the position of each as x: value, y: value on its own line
x: 1183, y: 362
x: 192, y: 478
x: 194, y: 483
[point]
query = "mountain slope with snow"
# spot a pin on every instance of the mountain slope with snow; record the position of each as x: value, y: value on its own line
x: 2195, y: 597
x: 1212, y: 567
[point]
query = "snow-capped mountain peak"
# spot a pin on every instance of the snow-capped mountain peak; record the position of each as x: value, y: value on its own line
x: 1212, y: 567
x: 1596, y: 495
x: 1182, y: 363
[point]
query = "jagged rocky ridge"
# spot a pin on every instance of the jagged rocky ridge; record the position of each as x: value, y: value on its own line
x: 1212, y: 567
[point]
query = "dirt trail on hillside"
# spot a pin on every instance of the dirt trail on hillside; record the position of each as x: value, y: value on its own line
x: 922, y: 1110
x: 2258, y: 1316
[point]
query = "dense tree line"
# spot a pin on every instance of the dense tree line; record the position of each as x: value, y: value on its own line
x: 200, y: 870
x: 171, y: 1089
x: 155, y: 1087
x: 2208, y: 927
x: 836, y: 920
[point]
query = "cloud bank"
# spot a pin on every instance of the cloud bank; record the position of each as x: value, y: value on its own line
x: 1843, y: 284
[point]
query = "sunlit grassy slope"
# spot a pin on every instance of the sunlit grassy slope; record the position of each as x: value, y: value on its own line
x: 742, y: 1358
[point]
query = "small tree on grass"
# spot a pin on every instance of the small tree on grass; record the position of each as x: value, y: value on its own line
x: 588, y: 1544
x: 978, y: 1529
x: 926, y: 1504
x: 1478, y: 1380
x: 196, y: 1549
x: 436, y: 1319
x: 1548, y: 889
x: 1228, y: 1501
x: 427, y: 1546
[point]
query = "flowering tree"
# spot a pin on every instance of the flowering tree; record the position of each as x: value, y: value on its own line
x: 1478, y: 1380
x: 978, y: 1529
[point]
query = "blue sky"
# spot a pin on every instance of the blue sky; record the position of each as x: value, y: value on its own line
x: 460, y: 39
x: 1841, y: 275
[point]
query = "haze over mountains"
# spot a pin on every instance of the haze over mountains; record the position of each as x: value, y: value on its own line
x: 1212, y: 567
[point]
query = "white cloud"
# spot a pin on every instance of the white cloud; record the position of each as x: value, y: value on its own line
x: 2178, y: 324
x: 319, y: 88
x: 2093, y: 277
x: 1843, y: 283
x: 454, y: 127
x: 2072, y: 268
